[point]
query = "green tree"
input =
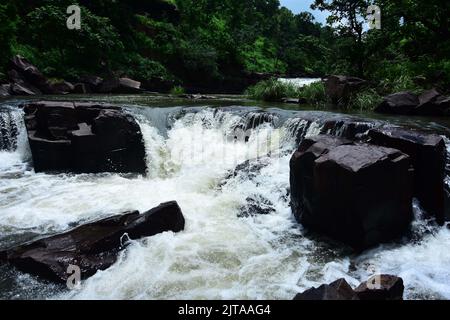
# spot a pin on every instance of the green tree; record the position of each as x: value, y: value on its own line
x: 8, y: 18
x: 61, y: 51
x: 347, y: 18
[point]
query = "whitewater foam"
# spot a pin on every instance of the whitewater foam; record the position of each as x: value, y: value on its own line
x: 219, y: 255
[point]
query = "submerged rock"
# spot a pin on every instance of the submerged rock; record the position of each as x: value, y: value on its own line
x: 359, y: 194
x: 94, y: 246
x: 83, y: 138
x: 428, y: 155
x: 251, y: 121
x: 256, y: 204
x: 379, y: 287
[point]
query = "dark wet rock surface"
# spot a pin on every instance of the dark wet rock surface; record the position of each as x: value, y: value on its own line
x: 94, y: 246
x: 83, y: 138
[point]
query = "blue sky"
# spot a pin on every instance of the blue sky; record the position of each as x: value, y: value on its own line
x: 297, y: 6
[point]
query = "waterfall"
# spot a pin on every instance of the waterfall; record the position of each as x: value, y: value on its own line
x: 14, y: 148
x: 241, y: 240
x: 306, y: 126
x: 11, y: 124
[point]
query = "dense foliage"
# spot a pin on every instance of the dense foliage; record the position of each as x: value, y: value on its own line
x: 218, y: 42
x: 414, y: 41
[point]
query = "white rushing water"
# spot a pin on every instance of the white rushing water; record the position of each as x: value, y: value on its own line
x: 219, y: 255
x: 299, y: 82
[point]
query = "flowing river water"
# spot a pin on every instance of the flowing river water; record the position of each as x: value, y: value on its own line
x: 241, y: 240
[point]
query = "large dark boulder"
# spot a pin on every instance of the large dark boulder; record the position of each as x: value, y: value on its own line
x: 429, y: 103
x: 338, y: 290
x: 359, y: 194
x: 399, y: 103
x: 341, y: 88
x: 428, y: 155
x: 302, y: 170
x: 428, y: 97
x: 26, y: 79
x: 381, y: 287
x: 25, y: 75
x: 83, y: 138
x: 21, y: 87
x: 433, y: 103
x: 94, y: 246
x: 29, y: 72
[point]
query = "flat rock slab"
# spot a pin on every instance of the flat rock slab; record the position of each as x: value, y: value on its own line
x: 94, y: 246
x: 356, y: 158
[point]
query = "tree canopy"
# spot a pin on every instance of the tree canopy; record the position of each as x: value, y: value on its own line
x: 214, y: 41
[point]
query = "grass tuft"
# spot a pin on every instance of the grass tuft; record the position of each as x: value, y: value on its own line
x: 271, y: 90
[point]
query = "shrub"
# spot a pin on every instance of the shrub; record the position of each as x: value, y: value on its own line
x: 8, y: 24
x: 365, y: 100
x: 314, y: 94
x: 177, y: 90
x: 271, y: 90
x: 142, y: 69
x: 398, y: 84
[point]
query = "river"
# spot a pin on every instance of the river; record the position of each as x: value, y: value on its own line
x: 228, y: 250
